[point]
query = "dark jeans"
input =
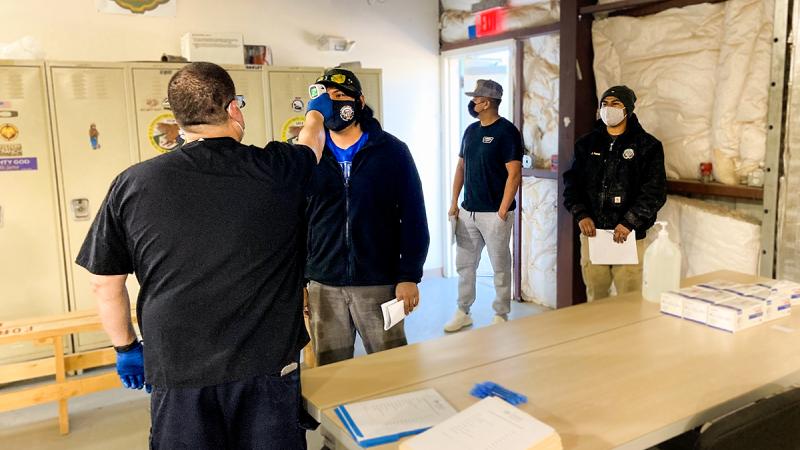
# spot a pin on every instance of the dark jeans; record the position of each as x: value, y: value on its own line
x: 263, y: 412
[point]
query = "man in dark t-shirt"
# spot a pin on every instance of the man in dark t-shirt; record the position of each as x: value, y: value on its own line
x: 489, y: 169
x: 214, y: 232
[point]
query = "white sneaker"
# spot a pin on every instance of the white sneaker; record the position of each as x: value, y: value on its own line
x: 459, y: 321
x: 498, y: 319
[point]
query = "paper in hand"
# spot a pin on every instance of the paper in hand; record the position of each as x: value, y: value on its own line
x: 604, y: 251
x: 393, y: 313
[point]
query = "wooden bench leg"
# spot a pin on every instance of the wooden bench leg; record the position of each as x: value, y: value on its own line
x: 61, y: 378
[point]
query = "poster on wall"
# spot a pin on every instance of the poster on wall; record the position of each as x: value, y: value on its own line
x: 152, y: 8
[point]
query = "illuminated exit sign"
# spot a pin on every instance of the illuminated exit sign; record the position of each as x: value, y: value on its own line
x: 490, y: 22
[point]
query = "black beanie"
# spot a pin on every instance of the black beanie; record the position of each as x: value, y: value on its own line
x: 624, y: 94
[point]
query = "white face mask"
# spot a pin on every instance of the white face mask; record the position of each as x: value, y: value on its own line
x: 612, y: 116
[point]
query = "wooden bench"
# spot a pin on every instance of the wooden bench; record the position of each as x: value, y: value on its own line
x: 51, y: 330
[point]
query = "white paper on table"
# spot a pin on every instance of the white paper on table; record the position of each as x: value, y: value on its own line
x: 399, y: 414
x: 393, y: 313
x: 603, y: 250
x: 487, y: 425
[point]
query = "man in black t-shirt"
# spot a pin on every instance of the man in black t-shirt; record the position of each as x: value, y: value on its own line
x: 215, y: 233
x: 489, y: 169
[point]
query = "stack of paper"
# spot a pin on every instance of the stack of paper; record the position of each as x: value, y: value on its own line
x: 604, y: 251
x: 383, y: 420
x: 393, y: 313
x: 490, y: 424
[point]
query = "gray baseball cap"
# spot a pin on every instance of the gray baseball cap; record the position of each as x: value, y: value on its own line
x: 487, y: 88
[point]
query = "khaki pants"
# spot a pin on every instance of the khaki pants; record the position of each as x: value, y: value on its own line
x: 598, y: 278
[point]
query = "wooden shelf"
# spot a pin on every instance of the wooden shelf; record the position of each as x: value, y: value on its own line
x: 521, y: 33
x: 539, y: 173
x: 639, y: 8
x: 684, y: 187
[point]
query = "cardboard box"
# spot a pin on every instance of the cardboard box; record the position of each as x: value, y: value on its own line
x: 735, y: 315
x: 672, y: 303
x: 783, y: 290
x: 218, y: 48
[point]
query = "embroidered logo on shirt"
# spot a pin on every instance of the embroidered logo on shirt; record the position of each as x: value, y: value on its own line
x: 628, y: 153
x: 487, y: 139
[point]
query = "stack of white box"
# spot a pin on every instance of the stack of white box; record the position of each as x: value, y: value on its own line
x: 730, y: 306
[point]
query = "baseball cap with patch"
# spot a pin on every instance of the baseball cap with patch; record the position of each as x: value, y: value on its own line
x: 342, y: 79
x: 487, y: 88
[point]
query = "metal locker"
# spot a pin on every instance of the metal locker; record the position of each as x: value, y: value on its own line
x: 93, y: 130
x: 371, y: 87
x: 288, y: 91
x: 249, y: 81
x: 31, y: 268
x: 156, y: 128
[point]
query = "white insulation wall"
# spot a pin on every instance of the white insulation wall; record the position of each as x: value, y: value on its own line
x: 539, y: 250
x: 788, y: 248
x: 711, y: 237
x: 457, y: 16
x: 701, y: 74
x: 540, y: 101
x: 540, y: 196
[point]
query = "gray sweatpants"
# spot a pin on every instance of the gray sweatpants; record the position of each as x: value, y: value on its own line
x: 473, y: 232
x: 337, y: 312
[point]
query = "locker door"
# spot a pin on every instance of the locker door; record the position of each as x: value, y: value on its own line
x: 371, y: 87
x: 250, y: 83
x: 90, y: 109
x: 31, y: 271
x: 156, y: 128
x: 288, y: 92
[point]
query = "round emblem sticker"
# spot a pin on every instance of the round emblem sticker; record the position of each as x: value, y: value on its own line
x: 291, y: 129
x: 163, y: 133
x: 8, y: 131
x: 628, y: 153
x: 297, y: 104
x: 347, y: 113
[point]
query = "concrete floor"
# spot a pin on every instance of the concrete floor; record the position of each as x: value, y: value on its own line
x: 120, y: 419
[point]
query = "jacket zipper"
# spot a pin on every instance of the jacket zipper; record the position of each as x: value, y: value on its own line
x: 347, y: 227
x: 605, y: 176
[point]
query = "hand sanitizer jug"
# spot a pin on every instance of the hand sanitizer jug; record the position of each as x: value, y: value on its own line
x: 661, y: 271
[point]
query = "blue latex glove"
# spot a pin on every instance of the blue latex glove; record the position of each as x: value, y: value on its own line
x: 130, y: 368
x: 323, y: 104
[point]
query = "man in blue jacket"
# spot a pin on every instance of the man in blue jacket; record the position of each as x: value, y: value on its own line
x: 367, y: 233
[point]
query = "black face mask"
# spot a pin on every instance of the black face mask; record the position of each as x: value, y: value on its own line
x: 345, y: 113
x: 471, y: 109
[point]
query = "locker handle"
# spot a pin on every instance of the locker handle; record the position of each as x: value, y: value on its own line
x: 80, y: 208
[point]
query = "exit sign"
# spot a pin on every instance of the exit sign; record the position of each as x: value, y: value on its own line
x: 490, y: 22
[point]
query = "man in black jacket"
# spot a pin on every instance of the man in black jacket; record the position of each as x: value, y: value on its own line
x: 617, y: 182
x: 368, y: 232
